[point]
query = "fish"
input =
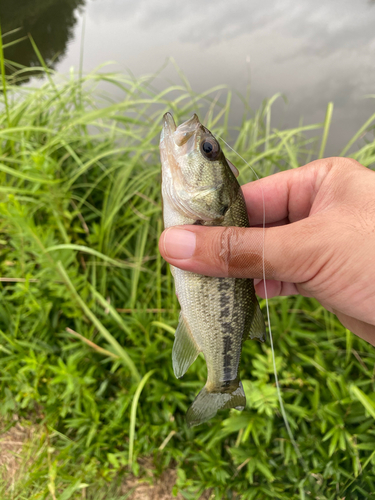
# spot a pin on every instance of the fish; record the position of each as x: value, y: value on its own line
x: 199, y: 186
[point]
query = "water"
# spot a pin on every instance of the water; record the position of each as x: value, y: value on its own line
x: 312, y: 53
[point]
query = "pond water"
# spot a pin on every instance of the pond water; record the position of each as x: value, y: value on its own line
x: 311, y: 52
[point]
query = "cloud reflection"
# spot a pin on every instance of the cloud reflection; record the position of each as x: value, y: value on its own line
x: 313, y: 52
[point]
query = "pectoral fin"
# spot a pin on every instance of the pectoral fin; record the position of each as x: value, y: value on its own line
x: 233, y: 168
x: 185, y: 349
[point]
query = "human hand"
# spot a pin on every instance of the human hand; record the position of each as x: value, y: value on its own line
x: 319, y: 240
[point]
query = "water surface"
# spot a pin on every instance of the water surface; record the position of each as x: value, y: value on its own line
x: 312, y: 53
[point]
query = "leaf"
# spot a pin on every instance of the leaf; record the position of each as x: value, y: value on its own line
x: 316, y: 398
x: 333, y: 443
x: 311, y: 361
x: 367, y: 446
x: 368, y: 404
x: 68, y: 492
x: 265, y: 471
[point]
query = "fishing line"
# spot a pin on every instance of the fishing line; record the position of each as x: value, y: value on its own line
x: 281, y: 403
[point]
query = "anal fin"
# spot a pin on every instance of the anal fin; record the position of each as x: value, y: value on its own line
x: 185, y: 349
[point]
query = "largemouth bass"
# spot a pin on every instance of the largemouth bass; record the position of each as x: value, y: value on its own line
x: 199, y: 186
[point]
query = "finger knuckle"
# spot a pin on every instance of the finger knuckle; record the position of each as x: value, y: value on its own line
x: 226, y: 244
x: 350, y: 162
x: 339, y: 163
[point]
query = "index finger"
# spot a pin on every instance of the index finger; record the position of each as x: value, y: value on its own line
x: 287, y: 195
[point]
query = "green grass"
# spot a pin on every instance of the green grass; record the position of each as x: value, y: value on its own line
x: 88, y: 310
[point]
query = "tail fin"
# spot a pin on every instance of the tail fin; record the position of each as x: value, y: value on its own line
x: 206, y: 404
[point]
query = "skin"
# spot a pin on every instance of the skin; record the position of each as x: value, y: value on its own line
x: 319, y: 240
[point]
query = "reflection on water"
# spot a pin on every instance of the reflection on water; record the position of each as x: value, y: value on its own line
x: 50, y: 22
x: 312, y: 52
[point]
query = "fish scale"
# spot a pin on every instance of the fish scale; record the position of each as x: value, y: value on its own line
x: 217, y: 314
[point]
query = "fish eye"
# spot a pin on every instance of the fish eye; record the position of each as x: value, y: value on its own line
x: 210, y: 148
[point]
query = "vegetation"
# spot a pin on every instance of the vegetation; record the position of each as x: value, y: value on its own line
x: 88, y: 311
x: 51, y: 23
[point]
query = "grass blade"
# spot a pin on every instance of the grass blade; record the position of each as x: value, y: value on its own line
x: 133, y: 415
x: 326, y: 126
x: 95, y: 253
x: 123, y: 355
x: 360, y: 132
x: 3, y: 78
x: 364, y: 400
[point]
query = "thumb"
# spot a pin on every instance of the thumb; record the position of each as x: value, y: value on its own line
x: 291, y: 252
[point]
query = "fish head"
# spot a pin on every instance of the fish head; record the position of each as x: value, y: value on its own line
x: 197, y: 180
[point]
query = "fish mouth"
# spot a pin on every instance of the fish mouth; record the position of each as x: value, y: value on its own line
x: 181, y: 134
x: 169, y: 125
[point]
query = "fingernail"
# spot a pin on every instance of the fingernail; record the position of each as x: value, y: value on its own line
x: 179, y: 244
x: 257, y: 281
